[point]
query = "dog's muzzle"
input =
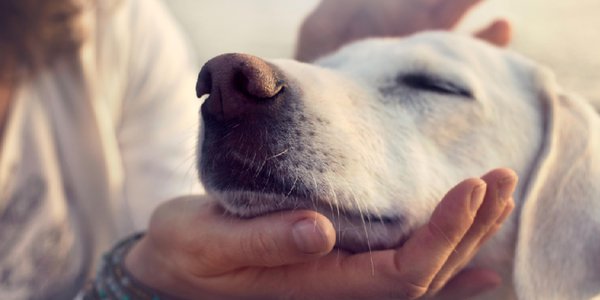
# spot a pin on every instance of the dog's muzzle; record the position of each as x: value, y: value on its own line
x: 250, y: 116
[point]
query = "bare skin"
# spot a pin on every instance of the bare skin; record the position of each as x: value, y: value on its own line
x: 192, y: 249
x: 338, y: 22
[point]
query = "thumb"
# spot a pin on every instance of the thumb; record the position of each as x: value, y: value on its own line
x: 268, y: 241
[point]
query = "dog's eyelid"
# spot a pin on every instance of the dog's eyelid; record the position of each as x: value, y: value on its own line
x: 434, y: 84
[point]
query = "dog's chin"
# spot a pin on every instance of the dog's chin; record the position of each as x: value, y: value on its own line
x: 248, y: 204
x: 355, y: 231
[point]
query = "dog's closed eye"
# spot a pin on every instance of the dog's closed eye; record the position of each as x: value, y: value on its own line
x: 433, y: 84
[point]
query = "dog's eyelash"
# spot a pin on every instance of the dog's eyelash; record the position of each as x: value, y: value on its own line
x: 425, y: 82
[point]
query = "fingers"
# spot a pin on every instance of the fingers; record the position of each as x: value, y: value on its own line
x: 507, y: 210
x: 447, y: 13
x: 317, y: 34
x: 469, y: 283
x: 496, y: 206
x: 498, y: 33
x: 405, y: 273
x: 275, y: 240
x: 213, y: 243
x: 425, y: 253
x: 267, y: 251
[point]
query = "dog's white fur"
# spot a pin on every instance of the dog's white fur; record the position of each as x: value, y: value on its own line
x: 399, y: 148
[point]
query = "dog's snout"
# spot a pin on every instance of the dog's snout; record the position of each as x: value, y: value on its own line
x: 237, y: 84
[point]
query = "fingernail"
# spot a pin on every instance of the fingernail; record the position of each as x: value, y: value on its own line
x: 505, y: 188
x: 309, y: 236
x: 477, y: 197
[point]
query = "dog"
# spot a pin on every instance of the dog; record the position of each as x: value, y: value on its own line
x: 373, y: 136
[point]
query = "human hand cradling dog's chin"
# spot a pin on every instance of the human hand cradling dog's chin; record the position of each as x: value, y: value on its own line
x: 337, y: 22
x: 193, y: 250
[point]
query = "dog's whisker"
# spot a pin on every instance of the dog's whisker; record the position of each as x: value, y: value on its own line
x: 293, y: 187
x: 338, y: 212
x: 316, y: 188
x: 364, y: 225
x: 263, y: 135
x: 268, y: 172
x: 259, y: 169
x: 278, y: 154
x: 253, y: 160
x: 227, y: 135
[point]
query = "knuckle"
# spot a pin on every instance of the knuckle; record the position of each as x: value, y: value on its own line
x: 260, y: 247
x: 204, y: 257
x: 201, y: 260
x: 203, y: 253
x: 452, y: 236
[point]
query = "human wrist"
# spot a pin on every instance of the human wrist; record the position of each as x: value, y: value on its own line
x: 151, y: 269
x: 114, y: 281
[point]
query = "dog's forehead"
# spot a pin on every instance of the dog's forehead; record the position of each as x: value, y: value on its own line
x: 454, y: 58
x: 420, y: 52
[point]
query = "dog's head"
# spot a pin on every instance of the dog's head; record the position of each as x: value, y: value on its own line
x: 371, y: 136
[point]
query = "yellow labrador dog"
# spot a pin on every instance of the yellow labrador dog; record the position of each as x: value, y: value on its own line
x: 374, y: 135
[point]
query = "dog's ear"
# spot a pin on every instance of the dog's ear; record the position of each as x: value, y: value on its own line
x: 596, y: 104
x: 558, y: 247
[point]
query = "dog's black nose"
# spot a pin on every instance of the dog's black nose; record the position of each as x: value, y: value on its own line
x: 237, y: 84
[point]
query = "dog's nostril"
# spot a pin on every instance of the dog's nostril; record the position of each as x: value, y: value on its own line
x: 204, y: 83
x: 256, y: 79
x: 237, y: 84
x: 240, y: 83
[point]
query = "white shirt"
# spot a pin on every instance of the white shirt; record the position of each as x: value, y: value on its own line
x: 92, y: 146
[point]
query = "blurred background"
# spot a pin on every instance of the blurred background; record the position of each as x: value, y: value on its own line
x: 564, y: 35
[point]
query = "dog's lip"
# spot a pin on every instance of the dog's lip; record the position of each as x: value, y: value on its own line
x: 297, y: 203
